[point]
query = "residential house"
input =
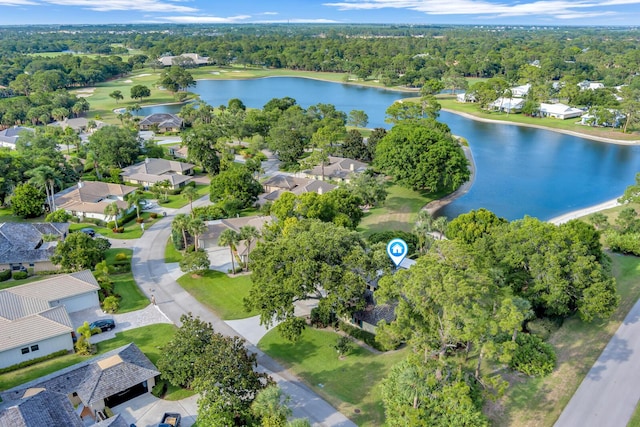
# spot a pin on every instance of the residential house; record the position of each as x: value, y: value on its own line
x: 587, y: 85
x: 615, y: 120
x: 520, y: 91
x: 178, y: 151
x: 80, y: 124
x: 508, y: 105
x: 278, y: 184
x: 34, y: 317
x: 30, y: 245
x: 151, y: 171
x: 559, y: 111
x: 336, y: 169
x: 162, y: 122
x: 466, y: 97
x: 9, y: 136
x: 169, y: 60
x: 209, y: 239
x: 91, y: 386
x: 88, y: 199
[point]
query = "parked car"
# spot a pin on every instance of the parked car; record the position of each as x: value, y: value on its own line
x: 146, y: 205
x: 88, y: 231
x: 170, y: 419
x: 103, y: 325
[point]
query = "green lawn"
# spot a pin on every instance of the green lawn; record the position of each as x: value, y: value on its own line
x: 220, y: 293
x: 568, y: 125
x: 171, y: 254
x: 539, y: 401
x: 132, y: 229
x: 131, y: 298
x: 398, y: 212
x: 150, y: 339
x: 350, y: 385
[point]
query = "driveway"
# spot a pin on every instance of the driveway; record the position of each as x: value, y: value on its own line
x: 149, y: 315
x: 147, y: 410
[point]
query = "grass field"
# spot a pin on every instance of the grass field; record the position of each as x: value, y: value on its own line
x: 398, y: 212
x: 220, y: 293
x: 171, y: 254
x: 131, y: 299
x: 350, y: 385
x: 132, y: 229
x: 150, y: 339
x: 539, y: 401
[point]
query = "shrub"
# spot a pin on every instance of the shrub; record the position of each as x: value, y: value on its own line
x: 31, y: 362
x: 533, y: 356
x: 74, y: 219
x: 159, y: 389
x: 343, y: 346
x: 19, y: 275
x: 322, y: 317
x: 83, y: 347
x: 628, y: 243
x: 153, y: 215
x: 121, y: 256
x: 139, y: 220
x: 5, y: 275
x: 111, y: 304
x: 118, y: 230
x: 121, y: 267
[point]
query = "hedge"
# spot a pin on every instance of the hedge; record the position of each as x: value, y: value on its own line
x: 33, y: 361
x: 5, y: 275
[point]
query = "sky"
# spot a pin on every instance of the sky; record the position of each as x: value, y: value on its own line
x: 468, y: 12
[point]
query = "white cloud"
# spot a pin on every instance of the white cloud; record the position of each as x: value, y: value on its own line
x: 298, y: 21
x: 267, y: 13
x: 111, y: 5
x: 16, y: 2
x: 561, y: 9
x: 205, y: 19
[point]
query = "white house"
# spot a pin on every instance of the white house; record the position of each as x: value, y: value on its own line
x: 34, y: 317
x: 465, y: 97
x: 508, y: 105
x: 520, y: 91
x: 9, y: 136
x: 587, y: 85
x: 559, y: 111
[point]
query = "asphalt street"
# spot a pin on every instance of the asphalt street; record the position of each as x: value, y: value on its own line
x: 152, y: 276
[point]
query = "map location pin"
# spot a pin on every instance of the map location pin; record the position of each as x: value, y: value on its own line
x: 397, y: 249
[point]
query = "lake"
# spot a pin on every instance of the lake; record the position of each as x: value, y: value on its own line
x: 519, y: 171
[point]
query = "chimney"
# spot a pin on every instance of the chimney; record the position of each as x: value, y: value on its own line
x: 80, y: 184
x: 146, y: 160
x: 352, y: 166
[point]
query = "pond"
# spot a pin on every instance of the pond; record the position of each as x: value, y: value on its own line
x: 519, y: 171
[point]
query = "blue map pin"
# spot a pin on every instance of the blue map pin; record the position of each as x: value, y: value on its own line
x: 397, y: 249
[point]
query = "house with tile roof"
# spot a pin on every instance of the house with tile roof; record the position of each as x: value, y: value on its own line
x: 280, y: 183
x: 209, y: 239
x: 163, y: 122
x: 90, y: 386
x: 30, y: 245
x: 9, y: 136
x: 336, y: 169
x: 88, y: 199
x: 151, y: 171
x: 169, y: 60
x: 34, y: 317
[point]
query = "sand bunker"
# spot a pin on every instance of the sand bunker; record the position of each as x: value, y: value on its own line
x: 216, y: 73
x: 128, y: 81
x: 143, y: 75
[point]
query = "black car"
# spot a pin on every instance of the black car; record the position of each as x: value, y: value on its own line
x: 88, y: 231
x: 103, y: 325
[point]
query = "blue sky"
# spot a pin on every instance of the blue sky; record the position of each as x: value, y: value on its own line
x: 471, y: 12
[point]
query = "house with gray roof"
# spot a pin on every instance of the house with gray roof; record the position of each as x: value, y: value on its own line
x: 34, y: 317
x: 9, y: 136
x: 30, y: 245
x: 152, y: 171
x: 336, y: 169
x: 90, y: 386
x: 194, y: 58
x: 209, y: 239
x: 88, y: 199
x: 280, y: 183
x: 163, y: 122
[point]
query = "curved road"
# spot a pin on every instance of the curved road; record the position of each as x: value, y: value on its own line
x: 151, y: 274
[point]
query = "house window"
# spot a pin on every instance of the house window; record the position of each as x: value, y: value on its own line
x: 25, y: 350
x: 35, y: 347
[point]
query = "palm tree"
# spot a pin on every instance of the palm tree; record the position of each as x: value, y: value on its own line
x: 180, y: 224
x: 112, y: 210
x: 229, y: 238
x: 249, y: 233
x: 191, y: 194
x: 135, y: 199
x: 196, y: 228
x: 45, y: 177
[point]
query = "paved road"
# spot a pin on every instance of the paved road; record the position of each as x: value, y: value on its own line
x: 608, y: 395
x: 152, y: 276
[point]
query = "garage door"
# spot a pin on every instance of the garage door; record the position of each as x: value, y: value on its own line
x: 126, y: 395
